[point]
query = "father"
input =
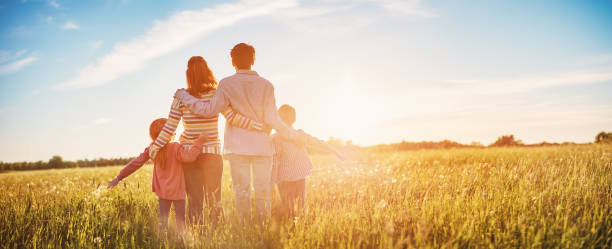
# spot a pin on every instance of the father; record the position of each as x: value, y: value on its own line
x: 252, y: 96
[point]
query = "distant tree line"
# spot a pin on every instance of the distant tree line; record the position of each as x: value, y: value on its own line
x: 502, y: 141
x: 56, y: 162
x: 444, y: 144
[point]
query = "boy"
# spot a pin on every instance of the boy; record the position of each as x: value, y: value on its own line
x: 291, y: 164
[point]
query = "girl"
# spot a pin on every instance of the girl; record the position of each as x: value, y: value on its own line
x: 168, y: 179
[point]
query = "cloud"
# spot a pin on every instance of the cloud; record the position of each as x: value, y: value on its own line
x: 70, y: 26
x: 20, y: 52
x: 521, y: 84
x: 96, y: 44
x: 597, y: 59
x: 53, y: 4
x: 7, y: 55
x: 17, y: 65
x: 4, y: 55
x: 407, y: 7
x: 166, y: 36
x: 48, y: 19
x: 102, y: 121
x: 20, y: 31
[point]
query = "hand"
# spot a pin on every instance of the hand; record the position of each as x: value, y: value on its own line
x: 267, y: 129
x: 300, y: 139
x: 113, y: 183
x: 179, y: 92
x: 203, y: 137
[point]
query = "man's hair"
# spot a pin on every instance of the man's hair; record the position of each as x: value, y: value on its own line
x: 287, y: 114
x: 243, y: 55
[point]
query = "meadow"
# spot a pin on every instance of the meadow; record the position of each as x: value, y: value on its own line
x: 542, y: 197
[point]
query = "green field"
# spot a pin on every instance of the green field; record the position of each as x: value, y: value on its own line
x: 545, y: 197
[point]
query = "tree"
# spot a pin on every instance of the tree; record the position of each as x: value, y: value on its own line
x: 56, y: 162
x: 603, y: 137
x: 507, y: 140
x: 476, y: 144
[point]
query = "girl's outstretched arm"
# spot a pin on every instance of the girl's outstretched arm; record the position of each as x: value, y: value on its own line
x: 131, y: 167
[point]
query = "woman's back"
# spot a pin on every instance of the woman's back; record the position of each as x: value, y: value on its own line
x: 194, y: 125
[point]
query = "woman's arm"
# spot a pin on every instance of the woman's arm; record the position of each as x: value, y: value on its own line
x: 238, y: 120
x: 131, y: 167
x: 169, y: 128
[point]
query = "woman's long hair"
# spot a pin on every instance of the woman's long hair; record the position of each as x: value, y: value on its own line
x: 200, y: 78
x: 154, y: 129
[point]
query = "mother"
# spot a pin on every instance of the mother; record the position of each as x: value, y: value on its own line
x: 203, y: 176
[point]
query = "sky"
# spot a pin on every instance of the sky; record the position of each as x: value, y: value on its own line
x: 83, y: 79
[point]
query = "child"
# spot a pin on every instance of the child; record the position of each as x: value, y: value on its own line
x: 168, y: 178
x: 292, y: 164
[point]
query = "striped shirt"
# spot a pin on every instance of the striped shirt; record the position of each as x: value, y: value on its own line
x: 195, y: 125
x: 291, y: 162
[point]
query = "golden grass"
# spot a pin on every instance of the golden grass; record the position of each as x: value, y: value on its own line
x: 461, y: 198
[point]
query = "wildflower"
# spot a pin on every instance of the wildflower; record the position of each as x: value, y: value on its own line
x: 381, y: 204
x: 97, y: 240
x: 389, y: 228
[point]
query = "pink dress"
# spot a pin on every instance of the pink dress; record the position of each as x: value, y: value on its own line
x: 169, y: 182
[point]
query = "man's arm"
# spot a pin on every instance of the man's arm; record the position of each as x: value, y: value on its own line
x: 271, y: 117
x: 206, y: 108
x: 236, y: 119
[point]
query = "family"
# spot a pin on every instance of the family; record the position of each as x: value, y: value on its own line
x: 193, y: 167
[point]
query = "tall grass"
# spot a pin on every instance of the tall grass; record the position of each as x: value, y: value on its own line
x: 545, y: 197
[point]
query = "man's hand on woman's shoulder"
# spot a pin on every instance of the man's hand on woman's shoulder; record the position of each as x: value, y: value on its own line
x: 179, y: 92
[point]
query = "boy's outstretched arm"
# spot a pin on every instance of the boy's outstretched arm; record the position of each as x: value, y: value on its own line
x: 315, y: 142
x: 132, y: 166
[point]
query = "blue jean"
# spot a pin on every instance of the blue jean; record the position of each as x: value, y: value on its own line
x: 241, y: 180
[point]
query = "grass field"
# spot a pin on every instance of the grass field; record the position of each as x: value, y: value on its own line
x: 546, y: 197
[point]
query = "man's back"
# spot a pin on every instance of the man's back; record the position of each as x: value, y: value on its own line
x: 253, y: 97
